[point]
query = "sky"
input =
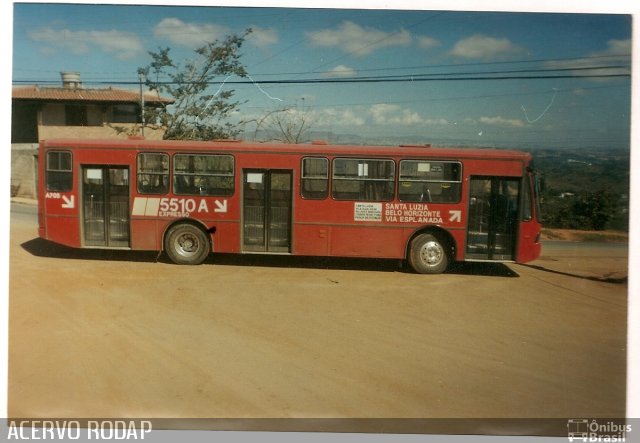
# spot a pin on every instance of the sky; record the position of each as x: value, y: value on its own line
x: 429, y: 55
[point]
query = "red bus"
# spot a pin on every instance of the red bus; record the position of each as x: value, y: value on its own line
x: 429, y: 206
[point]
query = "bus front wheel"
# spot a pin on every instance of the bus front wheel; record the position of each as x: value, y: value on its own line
x: 186, y: 244
x: 428, y: 254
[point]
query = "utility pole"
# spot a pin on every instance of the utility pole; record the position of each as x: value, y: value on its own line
x: 142, y: 80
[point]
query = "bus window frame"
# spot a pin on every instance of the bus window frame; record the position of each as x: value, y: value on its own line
x: 177, y: 174
x: 325, y: 179
x: 68, y: 173
x: 165, y: 188
x: 358, y: 178
x: 457, y: 183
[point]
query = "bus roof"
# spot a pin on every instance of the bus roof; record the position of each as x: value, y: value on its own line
x: 316, y: 148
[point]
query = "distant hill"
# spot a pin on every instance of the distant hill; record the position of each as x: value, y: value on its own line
x: 584, y: 170
x: 584, y: 189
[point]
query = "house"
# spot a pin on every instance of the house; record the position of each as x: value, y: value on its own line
x: 73, y: 111
x: 70, y: 111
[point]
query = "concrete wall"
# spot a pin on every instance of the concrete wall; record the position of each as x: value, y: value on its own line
x: 24, y: 170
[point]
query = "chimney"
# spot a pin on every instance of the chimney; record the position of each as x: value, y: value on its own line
x: 71, y: 80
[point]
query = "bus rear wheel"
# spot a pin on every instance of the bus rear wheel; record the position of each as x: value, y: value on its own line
x: 186, y: 244
x: 428, y: 254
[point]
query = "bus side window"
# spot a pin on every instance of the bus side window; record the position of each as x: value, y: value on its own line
x: 363, y: 179
x: 203, y: 174
x: 153, y: 173
x: 59, y: 171
x: 314, y: 178
x: 429, y: 181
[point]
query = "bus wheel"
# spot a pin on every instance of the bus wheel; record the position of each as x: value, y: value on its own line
x: 187, y: 244
x: 428, y: 254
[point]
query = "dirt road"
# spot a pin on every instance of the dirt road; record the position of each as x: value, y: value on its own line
x: 114, y: 334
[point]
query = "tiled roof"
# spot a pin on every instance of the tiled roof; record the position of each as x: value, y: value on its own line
x: 87, y: 95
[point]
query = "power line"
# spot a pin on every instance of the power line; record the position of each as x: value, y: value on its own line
x: 382, y: 79
x: 396, y: 68
x: 461, y: 75
x: 455, y: 65
x: 418, y: 76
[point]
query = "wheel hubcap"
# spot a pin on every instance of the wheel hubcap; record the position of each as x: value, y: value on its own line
x: 431, y: 253
x: 187, y: 244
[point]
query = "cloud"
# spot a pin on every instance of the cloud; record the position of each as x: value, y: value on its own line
x: 325, y: 118
x: 617, y: 52
x: 333, y: 117
x: 425, y: 42
x: 500, y: 121
x: 358, y: 40
x: 382, y: 113
x: 341, y: 71
x: 124, y: 45
x: 189, y: 34
x: 262, y: 37
x: 617, y: 47
x: 483, y: 47
x: 47, y: 51
x: 580, y: 91
x: 436, y: 122
x: 390, y: 114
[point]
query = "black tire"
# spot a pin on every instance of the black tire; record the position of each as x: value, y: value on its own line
x: 186, y: 244
x: 428, y: 254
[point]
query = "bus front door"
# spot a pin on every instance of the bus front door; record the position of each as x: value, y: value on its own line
x: 493, y: 218
x: 266, y: 210
x: 105, y: 206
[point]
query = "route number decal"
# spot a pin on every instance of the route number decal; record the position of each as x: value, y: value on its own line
x: 175, y: 207
x: 180, y: 207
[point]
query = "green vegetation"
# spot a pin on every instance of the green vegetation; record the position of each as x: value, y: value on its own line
x: 196, y: 114
x: 585, y: 236
x: 586, y: 189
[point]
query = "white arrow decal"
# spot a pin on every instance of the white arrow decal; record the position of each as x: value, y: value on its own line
x: 220, y: 207
x: 455, y: 216
x: 69, y: 202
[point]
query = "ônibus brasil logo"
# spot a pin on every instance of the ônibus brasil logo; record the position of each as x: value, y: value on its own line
x: 597, y: 430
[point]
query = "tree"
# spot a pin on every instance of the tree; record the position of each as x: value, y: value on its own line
x: 595, y: 209
x: 288, y: 124
x: 585, y: 210
x: 196, y: 114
